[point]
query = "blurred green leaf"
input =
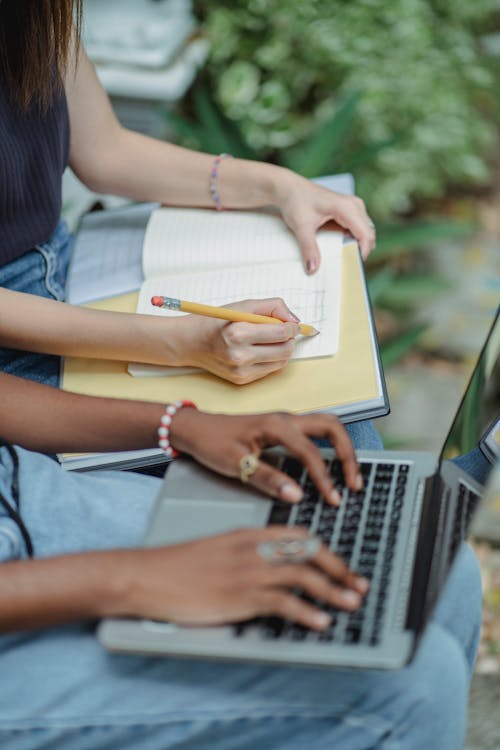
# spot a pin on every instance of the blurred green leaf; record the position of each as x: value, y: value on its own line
x: 317, y: 155
x: 187, y: 129
x: 210, y: 129
x: 409, y: 291
x: 379, y: 282
x: 394, y: 350
x: 394, y: 240
x: 367, y: 153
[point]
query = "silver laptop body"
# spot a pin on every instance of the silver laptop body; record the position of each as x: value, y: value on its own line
x: 401, y: 531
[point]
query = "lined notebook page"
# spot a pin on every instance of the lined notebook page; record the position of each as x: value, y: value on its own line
x: 314, y: 299
x: 182, y: 240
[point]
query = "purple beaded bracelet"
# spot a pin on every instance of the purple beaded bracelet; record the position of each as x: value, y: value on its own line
x: 213, y: 180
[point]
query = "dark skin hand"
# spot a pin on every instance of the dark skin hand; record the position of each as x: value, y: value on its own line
x: 219, y: 442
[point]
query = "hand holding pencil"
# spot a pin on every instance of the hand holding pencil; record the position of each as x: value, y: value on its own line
x: 224, y: 313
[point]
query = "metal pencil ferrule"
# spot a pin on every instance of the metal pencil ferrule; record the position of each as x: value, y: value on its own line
x: 171, y: 303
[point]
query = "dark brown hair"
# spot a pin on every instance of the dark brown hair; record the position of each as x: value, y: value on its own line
x: 35, y: 38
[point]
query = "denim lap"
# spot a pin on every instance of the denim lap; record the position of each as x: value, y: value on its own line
x: 61, y: 690
x: 41, y: 271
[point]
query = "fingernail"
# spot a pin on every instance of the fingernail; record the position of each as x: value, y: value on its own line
x: 358, y: 482
x: 290, y: 492
x: 321, y: 619
x: 296, y: 319
x: 335, y: 497
x: 363, y: 584
x: 351, y: 597
x: 311, y: 265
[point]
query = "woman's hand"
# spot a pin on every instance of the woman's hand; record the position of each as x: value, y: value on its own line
x: 219, y: 442
x: 222, y: 579
x: 305, y: 207
x: 238, y: 352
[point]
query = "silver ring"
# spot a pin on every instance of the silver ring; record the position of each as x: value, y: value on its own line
x: 289, y: 550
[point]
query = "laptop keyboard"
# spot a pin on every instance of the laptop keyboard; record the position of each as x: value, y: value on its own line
x: 362, y: 532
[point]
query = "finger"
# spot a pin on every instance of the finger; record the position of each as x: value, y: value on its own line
x: 247, y: 334
x: 330, y: 427
x: 253, y: 537
x: 283, y: 429
x: 315, y: 585
x: 306, y: 239
x: 290, y: 607
x: 275, y: 307
x: 276, y: 483
x: 336, y: 569
x: 367, y: 241
x: 329, y: 562
x: 362, y: 229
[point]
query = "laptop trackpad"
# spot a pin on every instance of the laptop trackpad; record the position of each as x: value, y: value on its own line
x: 177, y: 521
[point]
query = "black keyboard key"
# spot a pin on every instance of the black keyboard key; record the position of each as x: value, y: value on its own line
x: 293, y: 468
x: 280, y: 513
x: 273, y: 627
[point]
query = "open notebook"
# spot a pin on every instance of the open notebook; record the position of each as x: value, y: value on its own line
x: 242, y: 255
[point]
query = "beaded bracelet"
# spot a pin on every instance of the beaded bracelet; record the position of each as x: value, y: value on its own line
x: 213, y: 180
x: 164, y: 428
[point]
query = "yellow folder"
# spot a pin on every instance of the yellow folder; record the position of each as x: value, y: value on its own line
x: 350, y: 383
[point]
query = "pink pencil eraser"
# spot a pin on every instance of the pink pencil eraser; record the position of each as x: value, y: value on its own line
x: 157, y: 301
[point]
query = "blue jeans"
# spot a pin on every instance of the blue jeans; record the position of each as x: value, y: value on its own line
x: 60, y: 690
x: 40, y: 271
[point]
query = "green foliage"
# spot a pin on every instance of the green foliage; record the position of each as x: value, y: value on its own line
x: 423, y: 112
x: 393, y: 351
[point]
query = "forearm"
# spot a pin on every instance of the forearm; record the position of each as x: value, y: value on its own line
x: 36, y: 324
x: 111, y: 159
x: 45, y: 419
x: 146, y: 169
x: 54, y: 591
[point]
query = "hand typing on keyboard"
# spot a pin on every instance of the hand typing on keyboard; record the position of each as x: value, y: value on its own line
x: 220, y: 442
x: 223, y: 579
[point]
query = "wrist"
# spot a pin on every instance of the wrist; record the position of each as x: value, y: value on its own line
x: 183, y: 427
x: 118, y: 593
x: 160, y: 341
x: 285, y: 183
x: 165, y: 435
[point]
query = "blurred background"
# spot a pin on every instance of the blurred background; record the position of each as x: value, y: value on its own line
x: 404, y: 95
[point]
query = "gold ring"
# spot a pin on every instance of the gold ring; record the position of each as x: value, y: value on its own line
x: 248, y: 466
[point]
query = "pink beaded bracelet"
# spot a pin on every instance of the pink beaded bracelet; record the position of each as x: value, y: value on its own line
x: 213, y: 180
x: 164, y: 428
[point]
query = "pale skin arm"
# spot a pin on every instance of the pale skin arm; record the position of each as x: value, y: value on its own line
x: 111, y: 159
x: 239, y: 352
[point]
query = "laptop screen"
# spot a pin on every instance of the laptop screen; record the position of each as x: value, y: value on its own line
x: 477, y: 421
x: 473, y: 442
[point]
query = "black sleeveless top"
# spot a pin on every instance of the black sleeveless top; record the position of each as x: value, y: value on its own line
x: 34, y: 150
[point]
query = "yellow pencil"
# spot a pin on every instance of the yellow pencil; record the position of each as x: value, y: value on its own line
x: 225, y: 313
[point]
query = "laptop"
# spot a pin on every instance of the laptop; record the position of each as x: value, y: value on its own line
x: 401, y: 531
